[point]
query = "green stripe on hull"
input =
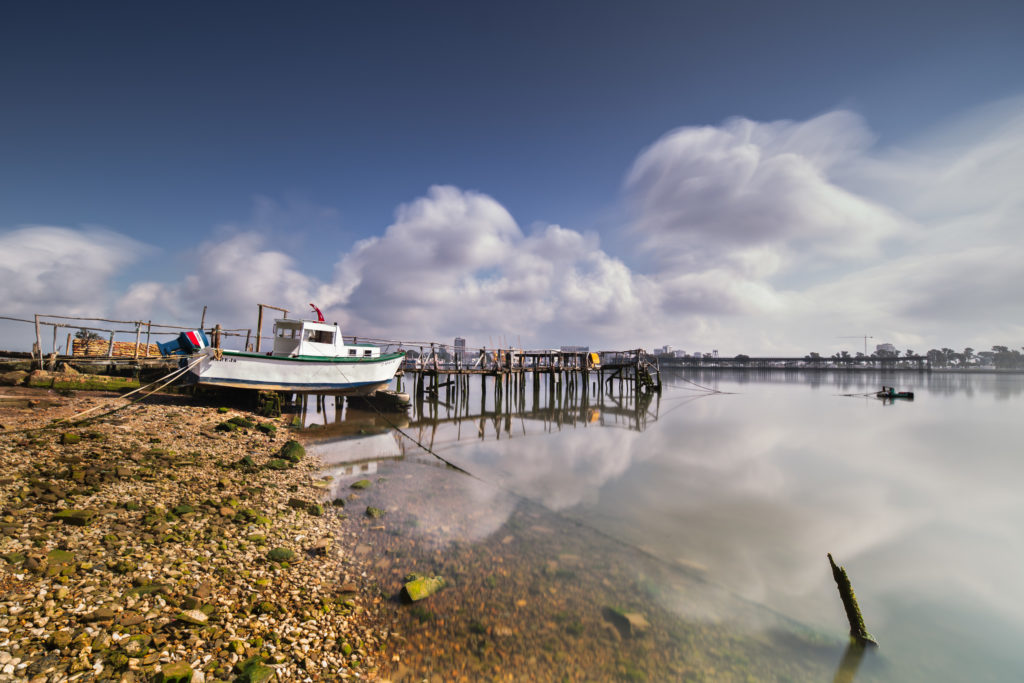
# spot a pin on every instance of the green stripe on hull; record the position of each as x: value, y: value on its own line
x: 316, y: 359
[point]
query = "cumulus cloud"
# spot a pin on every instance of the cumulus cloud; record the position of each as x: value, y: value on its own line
x: 231, y: 276
x: 456, y: 262
x: 708, y: 195
x: 48, y: 269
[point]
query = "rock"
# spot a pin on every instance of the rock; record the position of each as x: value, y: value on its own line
x: 418, y: 587
x: 256, y: 673
x: 292, y: 451
x: 60, y: 640
x: 242, y: 422
x: 281, y: 555
x: 628, y: 624
x: 176, y: 672
x: 13, y: 558
x: 76, y: 517
x: 373, y: 512
x: 13, y: 378
x: 362, y: 484
x: 69, y: 438
x: 101, y: 614
x: 322, y: 547
x: 278, y: 464
x: 193, y: 616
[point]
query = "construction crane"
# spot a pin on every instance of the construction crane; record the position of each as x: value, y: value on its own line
x: 865, y: 337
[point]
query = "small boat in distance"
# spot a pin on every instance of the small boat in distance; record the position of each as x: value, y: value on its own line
x: 308, y: 357
x: 890, y: 393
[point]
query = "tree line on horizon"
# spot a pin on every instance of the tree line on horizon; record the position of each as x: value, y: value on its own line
x: 1002, y: 357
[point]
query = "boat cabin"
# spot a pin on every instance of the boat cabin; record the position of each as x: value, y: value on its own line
x: 295, y: 338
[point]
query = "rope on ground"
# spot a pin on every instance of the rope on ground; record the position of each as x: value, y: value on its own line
x: 170, y: 377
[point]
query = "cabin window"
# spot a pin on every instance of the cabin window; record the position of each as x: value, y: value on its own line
x: 367, y: 352
x: 286, y: 332
x: 351, y: 352
x: 321, y: 336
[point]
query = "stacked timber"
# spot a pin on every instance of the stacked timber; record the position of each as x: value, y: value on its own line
x: 101, y: 347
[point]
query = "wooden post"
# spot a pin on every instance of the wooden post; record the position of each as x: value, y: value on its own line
x: 259, y: 328
x: 149, y: 331
x: 216, y: 336
x: 39, y: 343
x: 110, y: 347
x: 858, y: 630
x: 138, y: 338
x: 248, y: 333
x: 202, y: 321
x: 67, y: 346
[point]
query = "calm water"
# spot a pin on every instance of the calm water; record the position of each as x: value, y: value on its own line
x: 711, y: 515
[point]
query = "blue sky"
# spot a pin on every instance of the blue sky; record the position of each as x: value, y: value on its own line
x: 748, y: 176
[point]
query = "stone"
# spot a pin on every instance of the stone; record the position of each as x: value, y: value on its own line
x: 418, y: 587
x: 362, y: 484
x: 13, y: 378
x: 292, y: 451
x: 13, y: 558
x: 76, y: 517
x: 194, y: 616
x: 281, y: 555
x: 375, y: 513
x: 69, y: 438
x: 278, y: 464
x: 628, y: 624
x: 175, y: 672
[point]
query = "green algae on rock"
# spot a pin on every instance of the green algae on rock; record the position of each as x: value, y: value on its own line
x: 418, y: 587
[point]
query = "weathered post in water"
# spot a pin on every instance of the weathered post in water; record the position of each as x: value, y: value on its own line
x: 858, y: 630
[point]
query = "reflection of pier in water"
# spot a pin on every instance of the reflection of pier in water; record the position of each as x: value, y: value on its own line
x: 460, y: 410
x: 502, y: 406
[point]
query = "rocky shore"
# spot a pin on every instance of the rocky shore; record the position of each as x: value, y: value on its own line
x: 169, y: 542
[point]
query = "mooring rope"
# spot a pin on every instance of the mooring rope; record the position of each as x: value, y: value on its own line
x: 170, y: 377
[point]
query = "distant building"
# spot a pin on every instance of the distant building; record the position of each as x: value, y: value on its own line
x: 679, y: 353
x: 574, y: 349
x: 885, y: 348
x: 460, y: 350
x: 697, y: 354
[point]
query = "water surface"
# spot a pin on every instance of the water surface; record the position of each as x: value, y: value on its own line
x: 710, y: 515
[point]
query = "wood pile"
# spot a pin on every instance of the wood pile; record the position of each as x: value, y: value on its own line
x: 100, y: 347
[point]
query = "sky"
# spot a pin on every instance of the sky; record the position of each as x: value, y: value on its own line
x: 751, y: 177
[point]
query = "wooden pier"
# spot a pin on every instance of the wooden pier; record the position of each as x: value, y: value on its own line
x: 570, y: 374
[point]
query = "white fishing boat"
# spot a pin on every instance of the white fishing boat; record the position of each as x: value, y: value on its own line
x: 308, y: 357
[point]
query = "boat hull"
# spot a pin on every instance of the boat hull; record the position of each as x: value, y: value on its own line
x: 337, y: 376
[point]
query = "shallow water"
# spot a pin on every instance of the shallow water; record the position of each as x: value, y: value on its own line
x: 711, y: 515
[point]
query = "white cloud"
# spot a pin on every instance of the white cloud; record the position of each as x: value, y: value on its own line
x: 49, y: 269
x: 231, y: 276
x: 456, y: 262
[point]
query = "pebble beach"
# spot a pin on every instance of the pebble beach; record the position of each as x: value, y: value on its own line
x: 154, y: 543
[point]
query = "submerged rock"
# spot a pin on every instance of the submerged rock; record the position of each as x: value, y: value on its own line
x: 628, y: 624
x: 418, y: 586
